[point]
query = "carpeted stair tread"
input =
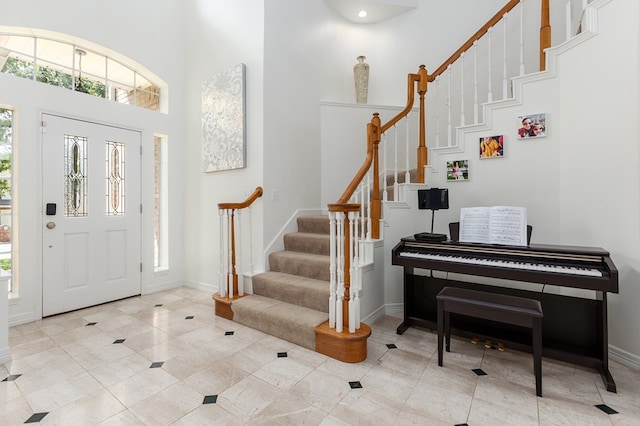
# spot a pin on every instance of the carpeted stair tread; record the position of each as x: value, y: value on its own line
x: 313, y: 224
x: 304, y: 264
x: 303, y: 291
x: 290, y: 322
x: 307, y: 242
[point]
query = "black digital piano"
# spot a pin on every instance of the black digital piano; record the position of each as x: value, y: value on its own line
x: 574, y: 327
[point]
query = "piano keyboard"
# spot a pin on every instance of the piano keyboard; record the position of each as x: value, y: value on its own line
x: 541, y: 267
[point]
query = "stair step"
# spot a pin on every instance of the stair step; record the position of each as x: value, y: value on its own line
x: 307, y: 242
x: 313, y: 224
x: 303, y: 264
x: 290, y: 322
x: 307, y: 292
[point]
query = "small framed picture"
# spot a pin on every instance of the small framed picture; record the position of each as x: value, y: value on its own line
x: 458, y: 170
x: 532, y: 126
x: 492, y: 146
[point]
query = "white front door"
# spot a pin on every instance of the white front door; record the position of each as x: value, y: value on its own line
x: 91, y: 214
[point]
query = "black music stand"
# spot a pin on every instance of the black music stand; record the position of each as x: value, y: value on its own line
x: 432, y: 199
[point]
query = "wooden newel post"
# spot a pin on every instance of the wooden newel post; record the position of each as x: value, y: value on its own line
x: 545, y: 33
x: 376, y: 204
x: 423, y: 158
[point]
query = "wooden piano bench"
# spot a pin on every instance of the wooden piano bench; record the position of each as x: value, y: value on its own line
x: 502, y: 308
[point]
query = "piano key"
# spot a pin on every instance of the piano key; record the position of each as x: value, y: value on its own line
x: 505, y: 264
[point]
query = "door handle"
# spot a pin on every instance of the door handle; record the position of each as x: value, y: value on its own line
x: 51, y: 225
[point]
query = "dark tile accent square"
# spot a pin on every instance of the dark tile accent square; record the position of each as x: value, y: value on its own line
x: 462, y: 424
x: 282, y: 354
x: 189, y: 317
x: 91, y: 324
x: 157, y: 364
x: 11, y: 377
x: 158, y: 305
x: 118, y: 341
x: 606, y: 409
x: 210, y: 399
x: 36, y: 417
x: 355, y: 385
x: 228, y: 333
x: 391, y: 346
x: 479, y: 371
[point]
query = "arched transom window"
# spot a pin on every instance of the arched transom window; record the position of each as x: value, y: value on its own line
x: 78, y: 68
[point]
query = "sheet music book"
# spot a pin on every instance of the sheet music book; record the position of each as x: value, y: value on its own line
x: 494, y: 225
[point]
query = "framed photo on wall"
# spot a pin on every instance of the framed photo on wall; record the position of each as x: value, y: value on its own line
x: 532, y: 126
x: 492, y: 146
x: 458, y: 170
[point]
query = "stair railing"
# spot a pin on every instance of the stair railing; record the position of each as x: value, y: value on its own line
x: 231, y: 243
x: 352, y: 223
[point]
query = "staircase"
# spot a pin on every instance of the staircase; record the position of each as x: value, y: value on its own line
x: 291, y: 301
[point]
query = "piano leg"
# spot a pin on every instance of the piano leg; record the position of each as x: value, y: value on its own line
x: 604, y: 338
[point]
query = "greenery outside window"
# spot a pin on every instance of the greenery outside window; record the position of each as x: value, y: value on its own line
x: 73, y: 67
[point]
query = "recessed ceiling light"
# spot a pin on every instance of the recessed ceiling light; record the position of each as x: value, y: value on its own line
x: 363, y: 14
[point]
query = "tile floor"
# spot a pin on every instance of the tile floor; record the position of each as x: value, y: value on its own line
x: 165, y: 358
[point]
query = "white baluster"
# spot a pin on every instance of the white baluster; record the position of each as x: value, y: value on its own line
x: 250, y: 242
x: 356, y: 282
x: 222, y: 286
x: 352, y: 268
x: 475, y: 82
x: 462, y: 89
x: 363, y: 207
x: 437, y: 111
x: 239, y: 255
x: 489, y: 92
x: 395, y: 161
x: 229, y: 263
x: 504, y: 57
x: 367, y: 194
x: 385, y: 195
x: 332, y: 269
x: 407, y: 174
x: 521, y: 38
x: 340, y: 266
x: 449, y: 108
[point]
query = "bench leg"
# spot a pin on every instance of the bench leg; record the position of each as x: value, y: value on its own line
x: 440, y: 331
x: 447, y: 331
x: 537, y: 353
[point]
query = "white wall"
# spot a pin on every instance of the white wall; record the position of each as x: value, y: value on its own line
x: 145, y: 41
x: 221, y: 34
x: 296, y: 57
x: 580, y: 183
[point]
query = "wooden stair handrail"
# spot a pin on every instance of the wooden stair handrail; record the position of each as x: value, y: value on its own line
x: 545, y: 36
x: 257, y: 193
x: 373, y: 138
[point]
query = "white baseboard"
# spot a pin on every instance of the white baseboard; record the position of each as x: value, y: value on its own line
x: 161, y: 287
x: 23, y: 318
x: 209, y: 288
x: 374, y: 316
x: 394, y: 309
x: 625, y: 358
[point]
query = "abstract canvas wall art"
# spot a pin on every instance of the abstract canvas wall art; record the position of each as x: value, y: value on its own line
x: 223, y: 120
